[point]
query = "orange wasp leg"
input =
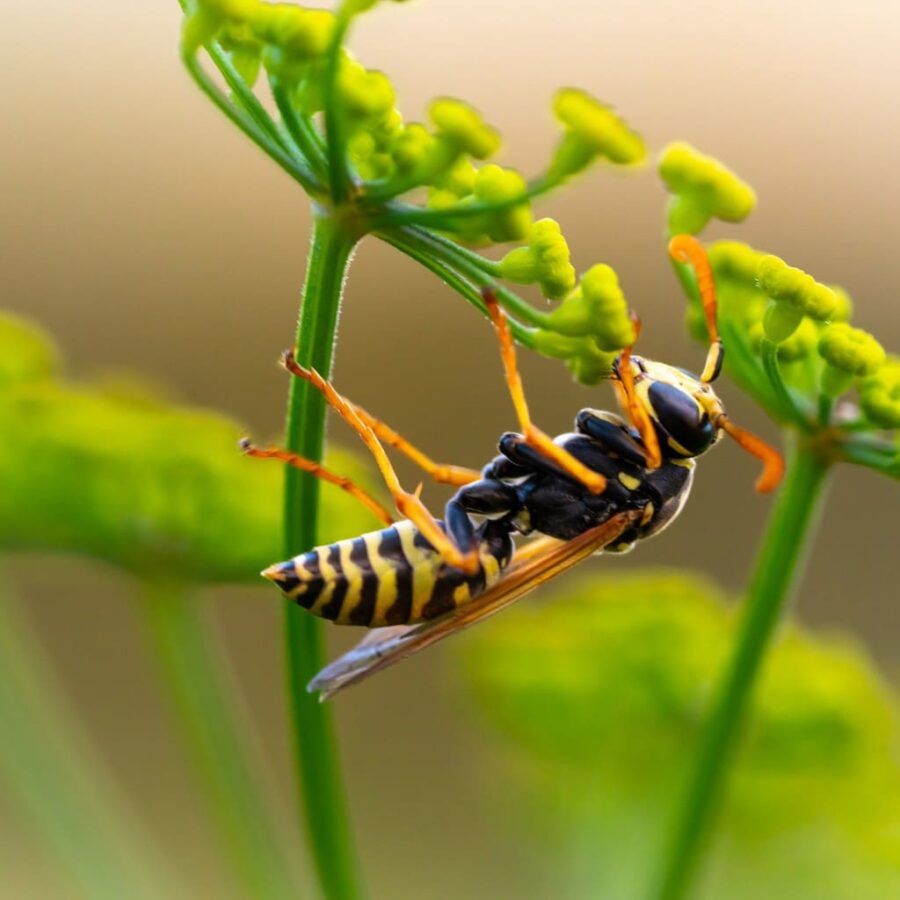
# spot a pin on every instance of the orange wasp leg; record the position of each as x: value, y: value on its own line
x: 634, y: 409
x: 319, y: 471
x: 442, y: 473
x: 534, y: 437
x: 408, y: 504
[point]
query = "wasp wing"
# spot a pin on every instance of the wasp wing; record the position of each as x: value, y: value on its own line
x: 535, y: 563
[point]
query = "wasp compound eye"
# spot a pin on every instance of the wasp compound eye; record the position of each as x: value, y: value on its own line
x: 684, y: 426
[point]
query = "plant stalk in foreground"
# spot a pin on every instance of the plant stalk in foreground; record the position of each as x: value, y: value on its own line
x: 778, y: 566
x: 322, y: 793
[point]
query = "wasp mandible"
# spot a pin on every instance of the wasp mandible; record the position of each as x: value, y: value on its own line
x: 612, y: 482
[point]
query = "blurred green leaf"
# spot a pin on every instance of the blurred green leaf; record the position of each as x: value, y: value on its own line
x: 151, y: 487
x: 598, y: 698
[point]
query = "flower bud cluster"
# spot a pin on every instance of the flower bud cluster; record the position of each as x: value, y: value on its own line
x: 591, y: 130
x: 544, y: 260
x: 590, y: 327
x: 702, y: 189
x: 794, y: 294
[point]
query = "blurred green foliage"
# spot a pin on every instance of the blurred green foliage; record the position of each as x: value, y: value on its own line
x: 598, y: 698
x: 113, y: 472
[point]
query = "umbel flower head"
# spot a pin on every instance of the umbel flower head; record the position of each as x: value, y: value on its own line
x: 788, y: 337
x: 429, y: 186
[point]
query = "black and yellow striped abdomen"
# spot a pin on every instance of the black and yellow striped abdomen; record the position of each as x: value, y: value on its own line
x: 388, y: 577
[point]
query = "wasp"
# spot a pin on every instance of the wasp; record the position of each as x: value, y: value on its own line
x: 615, y: 480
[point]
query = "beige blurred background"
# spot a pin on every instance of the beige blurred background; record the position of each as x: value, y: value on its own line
x: 145, y: 232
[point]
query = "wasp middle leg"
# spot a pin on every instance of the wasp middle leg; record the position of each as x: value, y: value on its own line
x: 534, y: 436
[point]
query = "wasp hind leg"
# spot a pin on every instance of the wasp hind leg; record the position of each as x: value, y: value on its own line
x: 534, y: 437
x: 408, y: 504
x: 319, y: 471
x: 442, y: 473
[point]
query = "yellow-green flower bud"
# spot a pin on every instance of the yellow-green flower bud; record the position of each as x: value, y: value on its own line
x: 411, y: 148
x: 879, y: 394
x: 587, y: 362
x: 800, y: 344
x: 843, y: 309
x: 303, y: 34
x: 735, y: 261
x: 201, y: 24
x: 459, y: 179
x: 366, y: 94
x: 703, y: 188
x: 596, y: 308
x: 794, y: 294
x: 592, y: 129
x: 850, y: 352
x: 494, y: 184
x: 544, y: 260
x: 462, y: 127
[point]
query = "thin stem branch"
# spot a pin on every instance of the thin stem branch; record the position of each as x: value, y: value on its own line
x: 244, y: 95
x: 52, y: 772
x: 237, y: 117
x: 769, y: 353
x: 778, y: 567
x: 398, y: 214
x: 215, y: 738
x: 339, y: 175
x: 301, y: 129
x: 323, y: 797
x: 422, y: 254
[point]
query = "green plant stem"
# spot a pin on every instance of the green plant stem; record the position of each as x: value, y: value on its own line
x: 322, y: 793
x: 215, y: 738
x: 297, y: 171
x: 769, y: 352
x: 397, y: 214
x: 60, y: 785
x: 339, y: 176
x: 301, y: 129
x: 778, y: 566
x: 447, y: 273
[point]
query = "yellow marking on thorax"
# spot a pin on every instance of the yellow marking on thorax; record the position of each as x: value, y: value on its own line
x: 677, y: 447
x: 684, y: 463
x: 354, y: 576
x: 329, y: 574
x: 629, y: 481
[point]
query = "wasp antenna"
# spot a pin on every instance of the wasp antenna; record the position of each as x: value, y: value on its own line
x: 772, y: 460
x: 685, y: 248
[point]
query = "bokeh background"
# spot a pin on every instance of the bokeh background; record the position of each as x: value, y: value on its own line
x: 147, y: 234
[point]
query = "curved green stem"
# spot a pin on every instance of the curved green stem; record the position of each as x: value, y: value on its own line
x: 298, y: 172
x: 246, y: 98
x: 214, y: 736
x: 778, y: 566
x: 52, y: 773
x: 398, y: 214
x: 422, y: 254
x: 301, y: 129
x: 322, y: 793
x: 769, y: 353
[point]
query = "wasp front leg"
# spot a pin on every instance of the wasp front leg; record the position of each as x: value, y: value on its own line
x: 534, y: 436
